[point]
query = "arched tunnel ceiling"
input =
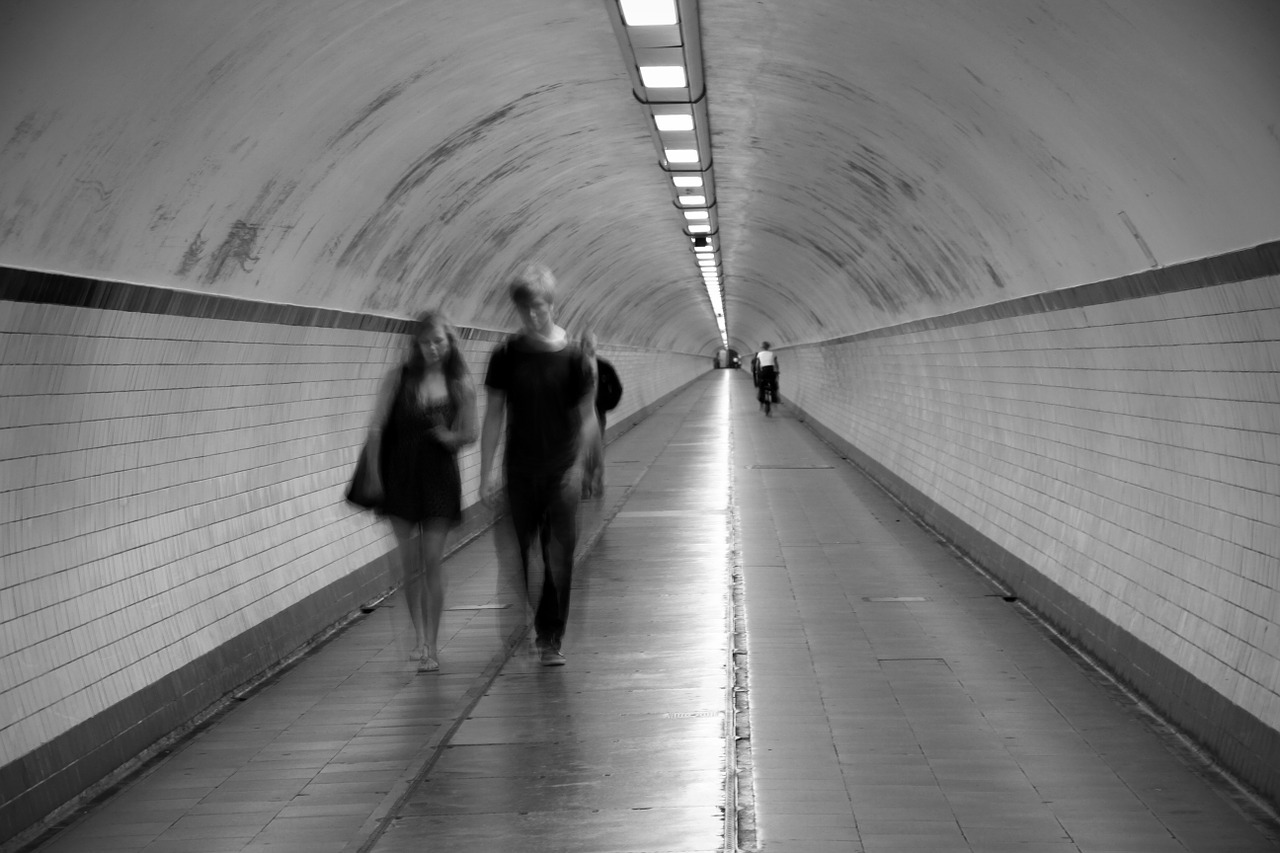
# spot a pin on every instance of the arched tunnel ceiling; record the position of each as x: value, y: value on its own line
x: 876, y: 162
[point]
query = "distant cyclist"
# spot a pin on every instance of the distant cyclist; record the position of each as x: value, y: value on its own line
x: 769, y: 369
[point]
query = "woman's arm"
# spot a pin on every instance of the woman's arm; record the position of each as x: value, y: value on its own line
x: 463, y: 430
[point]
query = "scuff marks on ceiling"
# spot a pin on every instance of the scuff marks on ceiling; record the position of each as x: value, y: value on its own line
x: 241, y: 248
x: 27, y: 131
x: 385, y: 97
x: 873, y: 165
x: 237, y: 248
x: 191, y: 256
x: 379, y: 228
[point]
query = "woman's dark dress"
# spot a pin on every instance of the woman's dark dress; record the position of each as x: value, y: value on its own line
x: 420, y: 478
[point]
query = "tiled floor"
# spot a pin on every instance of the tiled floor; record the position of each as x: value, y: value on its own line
x: 756, y: 631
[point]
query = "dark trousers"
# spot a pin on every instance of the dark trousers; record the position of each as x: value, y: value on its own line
x: 768, y: 385
x: 543, y: 510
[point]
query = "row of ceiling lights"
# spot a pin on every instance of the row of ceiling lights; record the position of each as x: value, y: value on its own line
x: 663, y: 48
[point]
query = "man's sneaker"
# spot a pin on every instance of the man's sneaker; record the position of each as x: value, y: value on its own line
x: 552, y: 657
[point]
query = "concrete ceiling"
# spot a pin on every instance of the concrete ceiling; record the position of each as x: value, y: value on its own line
x: 877, y: 161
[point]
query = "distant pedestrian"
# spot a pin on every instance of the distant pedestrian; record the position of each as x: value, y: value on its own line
x: 426, y: 410
x: 608, y: 393
x: 540, y: 386
x: 767, y: 377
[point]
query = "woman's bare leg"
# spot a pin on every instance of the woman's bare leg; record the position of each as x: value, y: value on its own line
x: 431, y: 603
x: 411, y: 565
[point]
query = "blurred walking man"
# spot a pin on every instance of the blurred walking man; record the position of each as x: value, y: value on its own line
x: 541, y: 387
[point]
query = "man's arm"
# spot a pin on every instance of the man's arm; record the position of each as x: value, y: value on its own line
x: 588, y: 434
x: 495, y: 414
x: 589, y: 431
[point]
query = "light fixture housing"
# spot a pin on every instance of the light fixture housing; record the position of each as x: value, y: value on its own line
x: 662, y: 50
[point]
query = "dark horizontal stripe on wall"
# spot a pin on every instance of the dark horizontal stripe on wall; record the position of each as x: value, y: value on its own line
x: 19, y: 285
x: 1243, y: 265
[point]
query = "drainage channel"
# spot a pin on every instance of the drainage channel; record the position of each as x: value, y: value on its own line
x: 740, y: 812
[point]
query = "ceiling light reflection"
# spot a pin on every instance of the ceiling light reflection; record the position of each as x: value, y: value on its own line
x: 673, y: 122
x: 663, y: 76
x: 649, y: 13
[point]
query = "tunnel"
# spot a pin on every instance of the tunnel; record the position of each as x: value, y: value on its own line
x: 1020, y: 260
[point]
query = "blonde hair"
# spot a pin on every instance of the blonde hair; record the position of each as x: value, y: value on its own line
x: 533, y: 282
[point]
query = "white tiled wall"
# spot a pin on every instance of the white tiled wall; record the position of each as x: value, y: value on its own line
x: 647, y: 378
x: 168, y: 482
x: 1128, y: 451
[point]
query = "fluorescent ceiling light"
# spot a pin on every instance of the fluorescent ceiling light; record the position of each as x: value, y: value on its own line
x: 673, y: 121
x: 699, y: 229
x: 681, y: 155
x: 663, y: 76
x: 696, y: 214
x: 687, y: 180
x: 693, y: 200
x: 703, y: 249
x: 649, y: 13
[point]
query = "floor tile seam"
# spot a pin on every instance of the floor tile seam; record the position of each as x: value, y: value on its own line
x: 830, y: 738
x: 378, y: 823
x: 425, y: 756
x: 767, y: 512
x: 983, y: 574
x: 1260, y: 815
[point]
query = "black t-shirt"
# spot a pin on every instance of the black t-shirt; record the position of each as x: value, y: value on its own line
x: 543, y: 390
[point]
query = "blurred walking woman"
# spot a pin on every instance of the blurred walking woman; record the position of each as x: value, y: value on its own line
x: 426, y: 411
